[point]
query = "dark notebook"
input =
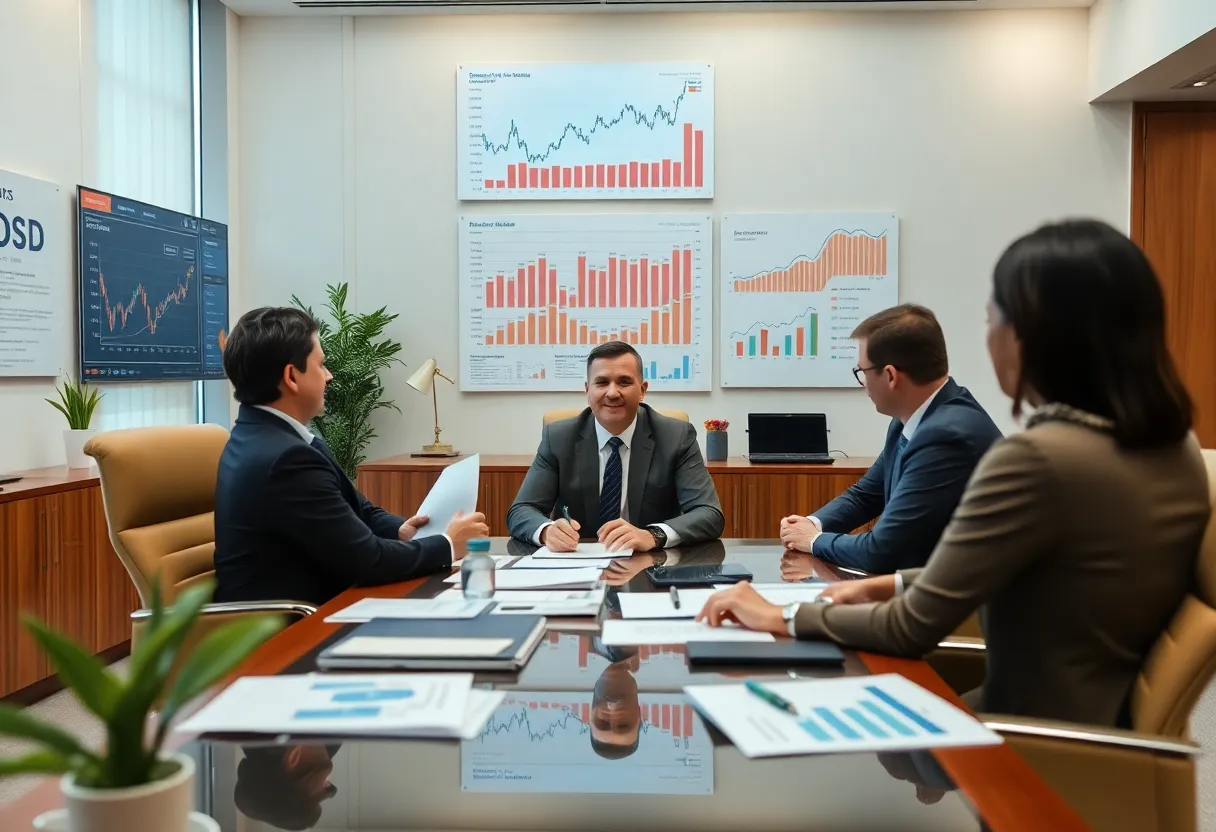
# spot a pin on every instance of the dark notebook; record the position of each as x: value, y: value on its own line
x: 488, y: 642
x: 775, y: 654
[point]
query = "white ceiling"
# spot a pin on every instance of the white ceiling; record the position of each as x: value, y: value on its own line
x: 287, y: 7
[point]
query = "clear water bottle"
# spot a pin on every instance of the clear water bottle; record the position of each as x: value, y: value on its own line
x: 477, y: 570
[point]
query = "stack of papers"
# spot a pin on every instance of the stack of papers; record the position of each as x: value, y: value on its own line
x: 549, y: 603
x: 445, y: 606
x: 620, y: 633
x: 583, y: 550
x: 341, y: 704
x: 584, y: 577
x: 533, y: 562
x: 862, y: 713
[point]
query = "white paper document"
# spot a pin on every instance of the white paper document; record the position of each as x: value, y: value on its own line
x: 335, y: 704
x: 454, y: 491
x: 860, y: 713
x: 552, y: 603
x: 785, y: 593
x: 556, y: 563
x: 541, y: 578
x: 660, y: 605
x: 369, y: 608
x: 408, y: 647
x: 583, y: 550
x: 622, y: 633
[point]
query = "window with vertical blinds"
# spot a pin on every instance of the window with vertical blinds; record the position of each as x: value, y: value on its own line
x: 145, y: 150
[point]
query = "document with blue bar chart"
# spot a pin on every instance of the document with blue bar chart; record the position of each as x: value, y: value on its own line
x: 836, y: 716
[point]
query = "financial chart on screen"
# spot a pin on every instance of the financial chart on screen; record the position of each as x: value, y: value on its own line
x: 794, y: 286
x: 153, y: 291
x: 585, y: 131
x: 538, y: 292
x: 546, y: 742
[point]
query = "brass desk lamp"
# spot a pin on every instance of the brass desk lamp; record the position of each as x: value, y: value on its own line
x: 423, y: 380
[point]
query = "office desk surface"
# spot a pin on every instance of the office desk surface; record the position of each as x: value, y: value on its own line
x: 548, y: 775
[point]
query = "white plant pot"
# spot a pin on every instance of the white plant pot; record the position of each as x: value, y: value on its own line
x: 163, y: 805
x: 73, y: 443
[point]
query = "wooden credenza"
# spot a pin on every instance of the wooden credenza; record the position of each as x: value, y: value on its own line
x: 56, y: 563
x: 754, y: 497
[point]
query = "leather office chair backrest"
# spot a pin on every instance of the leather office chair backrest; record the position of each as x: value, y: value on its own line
x: 571, y: 412
x: 1183, y: 660
x: 158, y: 487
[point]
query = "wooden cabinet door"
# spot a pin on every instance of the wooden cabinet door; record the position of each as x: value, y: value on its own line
x: 498, y: 490
x: 71, y: 567
x: 727, y: 486
x: 22, y: 579
x: 114, y: 593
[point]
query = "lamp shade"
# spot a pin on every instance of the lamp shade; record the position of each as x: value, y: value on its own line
x: 423, y: 378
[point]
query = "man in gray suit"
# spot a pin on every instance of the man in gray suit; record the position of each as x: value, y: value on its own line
x: 627, y: 476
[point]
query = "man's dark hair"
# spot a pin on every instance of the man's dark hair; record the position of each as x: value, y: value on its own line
x: 613, y: 349
x: 908, y: 338
x: 262, y: 343
x: 611, y: 751
x: 1089, y: 311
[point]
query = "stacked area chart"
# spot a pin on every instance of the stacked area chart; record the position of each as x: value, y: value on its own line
x: 538, y: 292
x: 793, y: 288
x: 586, y: 131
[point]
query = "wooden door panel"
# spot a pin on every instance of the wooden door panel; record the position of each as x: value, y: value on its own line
x: 498, y: 490
x: 114, y: 593
x: 71, y: 568
x: 1174, y: 221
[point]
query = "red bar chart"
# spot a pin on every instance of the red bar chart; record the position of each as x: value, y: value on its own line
x: 543, y: 290
x: 585, y: 131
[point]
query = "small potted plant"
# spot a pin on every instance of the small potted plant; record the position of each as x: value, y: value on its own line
x: 77, y: 406
x: 131, y: 785
x: 715, y: 439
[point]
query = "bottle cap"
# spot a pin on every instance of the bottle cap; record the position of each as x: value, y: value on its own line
x: 479, y: 544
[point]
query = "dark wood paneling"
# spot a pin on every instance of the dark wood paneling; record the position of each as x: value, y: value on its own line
x: 71, y: 605
x: 1173, y: 220
x: 22, y: 590
x: 114, y: 594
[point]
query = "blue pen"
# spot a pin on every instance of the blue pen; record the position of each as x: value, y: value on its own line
x: 770, y: 697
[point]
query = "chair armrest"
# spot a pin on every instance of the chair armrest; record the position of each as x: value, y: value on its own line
x: 1047, y: 729
x: 296, y: 608
x: 963, y: 643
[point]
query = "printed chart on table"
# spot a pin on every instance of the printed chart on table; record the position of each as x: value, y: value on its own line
x: 794, y: 286
x: 585, y: 131
x: 538, y: 292
x: 543, y: 742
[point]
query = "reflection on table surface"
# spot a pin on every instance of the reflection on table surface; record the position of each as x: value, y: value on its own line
x: 591, y: 736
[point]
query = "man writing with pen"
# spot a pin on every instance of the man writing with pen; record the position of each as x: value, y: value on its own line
x: 619, y: 472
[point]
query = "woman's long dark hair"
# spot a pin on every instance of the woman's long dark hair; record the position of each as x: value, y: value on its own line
x: 1088, y: 309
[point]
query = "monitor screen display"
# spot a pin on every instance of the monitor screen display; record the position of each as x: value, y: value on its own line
x: 153, y: 291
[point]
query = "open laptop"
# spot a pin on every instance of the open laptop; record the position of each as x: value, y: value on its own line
x: 788, y: 437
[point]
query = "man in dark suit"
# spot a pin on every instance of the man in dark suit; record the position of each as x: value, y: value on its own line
x: 628, y: 476
x: 289, y: 523
x: 937, y: 435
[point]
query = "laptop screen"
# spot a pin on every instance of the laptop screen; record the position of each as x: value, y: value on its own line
x: 787, y: 433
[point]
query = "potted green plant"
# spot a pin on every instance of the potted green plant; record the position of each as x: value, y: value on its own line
x: 355, y: 353
x: 131, y: 784
x: 77, y: 406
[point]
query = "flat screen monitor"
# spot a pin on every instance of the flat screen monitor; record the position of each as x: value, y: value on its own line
x: 153, y: 291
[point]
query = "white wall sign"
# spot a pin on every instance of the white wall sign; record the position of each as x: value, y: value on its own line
x: 36, y: 315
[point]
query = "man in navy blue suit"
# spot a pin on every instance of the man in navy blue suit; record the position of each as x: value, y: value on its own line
x: 938, y: 433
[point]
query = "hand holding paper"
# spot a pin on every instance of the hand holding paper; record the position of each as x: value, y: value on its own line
x: 455, y: 492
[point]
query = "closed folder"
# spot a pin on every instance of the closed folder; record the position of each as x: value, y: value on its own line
x: 760, y: 654
x: 501, y: 642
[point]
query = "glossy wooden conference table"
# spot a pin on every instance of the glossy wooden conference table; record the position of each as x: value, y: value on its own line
x: 556, y: 755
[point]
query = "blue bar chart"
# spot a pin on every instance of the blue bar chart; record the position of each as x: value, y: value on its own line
x: 681, y: 372
x: 867, y: 713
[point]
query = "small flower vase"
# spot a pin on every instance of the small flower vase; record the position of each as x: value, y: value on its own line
x: 715, y: 446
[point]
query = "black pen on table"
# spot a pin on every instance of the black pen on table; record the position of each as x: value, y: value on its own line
x: 675, y: 598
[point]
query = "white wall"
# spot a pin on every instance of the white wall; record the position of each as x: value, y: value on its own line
x: 40, y: 135
x: 1129, y: 36
x: 973, y: 127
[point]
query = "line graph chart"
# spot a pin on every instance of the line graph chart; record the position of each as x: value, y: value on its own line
x: 794, y: 287
x: 542, y: 742
x: 542, y: 290
x: 585, y: 131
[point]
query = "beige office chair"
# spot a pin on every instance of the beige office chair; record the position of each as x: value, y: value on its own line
x: 571, y: 412
x: 1142, y: 779
x: 158, y: 489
